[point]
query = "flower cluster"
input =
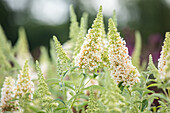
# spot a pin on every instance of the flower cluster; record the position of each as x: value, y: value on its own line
x: 121, y: 66
x: 7, y: 94
x: 90, y: 54
x: 21, y: 48
x: 43, y: 92
x: 24, y: 83
x: 80, y: 38
x: 93, y: 106
x: 62, y: 58
x: 164, y: 61
x: 74, y: 27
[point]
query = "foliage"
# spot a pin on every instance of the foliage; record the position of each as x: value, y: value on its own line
x: 97, y: 77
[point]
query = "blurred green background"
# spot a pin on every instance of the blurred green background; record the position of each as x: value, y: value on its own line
x: 44, y: 18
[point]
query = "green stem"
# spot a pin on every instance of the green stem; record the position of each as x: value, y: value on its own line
x: 165, y: 92
x: 129, y: 92
x: 169, y: 92
x: 146, y: 81
x: 77, y: 92
x: 136, y: 109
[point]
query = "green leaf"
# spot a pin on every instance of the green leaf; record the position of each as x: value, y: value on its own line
x: 35, y: 109
x: 80, y: 106
x: 58, y: 99
x: 140, y: 90
x: 152, y: 85
x: 144, y: 105
x: 73, y: 68
x: 52, y: 79
x: 94, y: 87
x: 121, y: 87
x: 161, y: 96
x: 65, y: 73
x: 151, y: 80
x: 151, y: 67
x: 66, y: 83
x: 60, y: 108
x: 75, y: 96
x: 95, y: 75
x: 146, y: 92
x: 41, y: 112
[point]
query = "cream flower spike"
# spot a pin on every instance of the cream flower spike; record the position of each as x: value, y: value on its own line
x: 121, y: 66
x: 89, y: 57
x: 7, y: 95
x: 24, y: 83
x: 164, y: 60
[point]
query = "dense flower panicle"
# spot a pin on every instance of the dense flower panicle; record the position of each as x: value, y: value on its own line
x: 6, y: 49
x: 98, y: 24
x: 44, y: 59
x: 7, y: 94
x: 93, y: 106
x: 121, y: 66
x: 42, y: 86
x: 163, y: 64
x: 80, y: 38
x: 74, y: 27
x: 105, y: 59
x: 151, y: 67
x: 43, y: 92
x: 61, y: 54
x: 62, y: 58
x: 90, y: 54
x: 21, y: 48
x: 24, y: 83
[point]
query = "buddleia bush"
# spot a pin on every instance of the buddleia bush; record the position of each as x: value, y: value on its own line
x: 91, y: 73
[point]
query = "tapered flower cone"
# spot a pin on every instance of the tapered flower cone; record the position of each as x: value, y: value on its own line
x: 43, y: 92
x: 164, y: 60
x: 24, y: 83
x: 7, y: 94
x: 121, y: 66
x: 89, y: 57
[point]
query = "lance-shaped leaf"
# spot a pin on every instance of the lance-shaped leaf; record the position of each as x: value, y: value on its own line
x: 151, y: 67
